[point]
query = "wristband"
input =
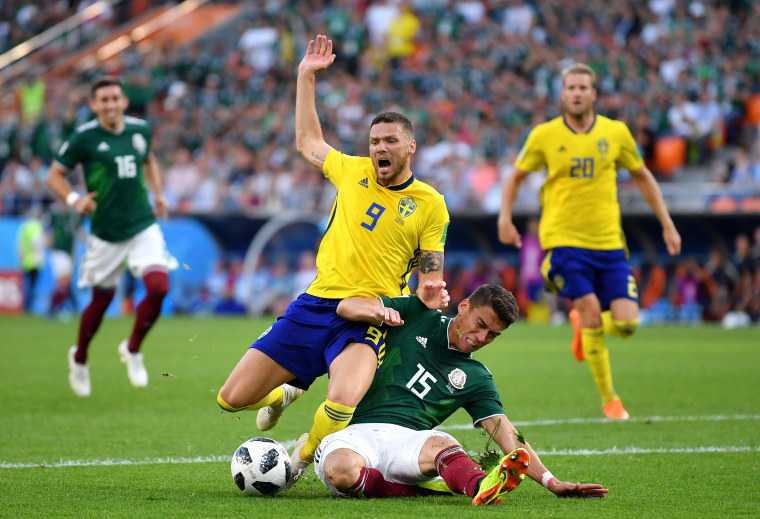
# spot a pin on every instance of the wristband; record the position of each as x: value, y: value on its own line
x: 546, y: 477
x: 72, y: 198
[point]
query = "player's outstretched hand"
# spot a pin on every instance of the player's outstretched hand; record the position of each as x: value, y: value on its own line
x: 562, y: 489
x: 672, y: 239
x: 319, y: 55
x: 86, y: 204
x: 508, y: 234
x: 389, y: 316
x: 161, y: 209
x: 434, y: 294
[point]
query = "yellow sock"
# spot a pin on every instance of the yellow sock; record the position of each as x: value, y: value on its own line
x: 598, y: 359
x: 274, y: 398
x: 329, y: 418
x: 617, y: 328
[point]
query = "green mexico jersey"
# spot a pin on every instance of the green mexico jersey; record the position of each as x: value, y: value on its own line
x: 422, y: 381
x: 113, y: 166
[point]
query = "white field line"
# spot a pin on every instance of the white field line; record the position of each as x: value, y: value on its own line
x: 709, y: 418
x: 566, y: 452
x: 226, y: 459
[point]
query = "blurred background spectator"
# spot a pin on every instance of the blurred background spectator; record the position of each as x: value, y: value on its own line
x: 474, y: 75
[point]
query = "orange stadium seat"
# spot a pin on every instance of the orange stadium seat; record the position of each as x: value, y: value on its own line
x: 669, y: 154
x: 753, y: 109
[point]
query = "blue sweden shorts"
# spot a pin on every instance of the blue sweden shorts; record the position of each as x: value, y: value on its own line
x: 574, y: 272
x: 308, y: 337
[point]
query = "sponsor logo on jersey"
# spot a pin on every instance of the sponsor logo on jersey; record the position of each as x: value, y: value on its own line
x: 603, y: 146
x: 139, y: 144
x: 364, y: 182
x: 457, y: 378
x: 422, y: 340
x: 103, y: 146
x: 406, y: 206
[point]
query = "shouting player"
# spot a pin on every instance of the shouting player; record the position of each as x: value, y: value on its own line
x: 384, y: 223
x: 391, y: 448
x: 587, y: 259
x: 114, y: 151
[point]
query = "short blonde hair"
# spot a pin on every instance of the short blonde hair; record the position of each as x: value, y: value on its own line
x: 579, y: 68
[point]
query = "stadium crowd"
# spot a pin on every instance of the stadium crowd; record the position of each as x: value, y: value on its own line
x: 474, y: 75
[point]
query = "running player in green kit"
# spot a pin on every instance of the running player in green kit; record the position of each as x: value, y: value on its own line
x: 115, y: 153
x: 390, y: 447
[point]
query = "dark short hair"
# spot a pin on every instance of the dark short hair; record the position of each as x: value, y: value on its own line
x: 395, y: 117
x: 500, y: 299
x: 104, y: 81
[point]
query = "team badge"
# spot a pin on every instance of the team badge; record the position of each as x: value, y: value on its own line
x: 406, y: 206
x: 457, y: 378
x: 139, y: 144
x: 603, y: 146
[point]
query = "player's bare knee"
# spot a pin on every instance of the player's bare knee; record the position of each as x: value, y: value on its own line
x: 227, y: 400
x: 431, y: 448
x: 627, y: 328
x: 342, y: 468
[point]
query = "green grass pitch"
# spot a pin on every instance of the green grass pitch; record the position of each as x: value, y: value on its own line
x: 692, y: 448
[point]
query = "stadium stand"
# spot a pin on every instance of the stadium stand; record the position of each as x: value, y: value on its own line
x: 474, y: 75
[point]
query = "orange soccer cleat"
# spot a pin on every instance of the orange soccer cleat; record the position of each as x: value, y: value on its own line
x: 575, y: 320
x: 614, y: 409
x: 503, y: 478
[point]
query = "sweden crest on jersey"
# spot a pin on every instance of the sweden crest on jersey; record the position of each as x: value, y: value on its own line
x: 406, y: 206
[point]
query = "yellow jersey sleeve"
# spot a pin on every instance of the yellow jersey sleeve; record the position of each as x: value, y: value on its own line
x: 434, y: 235
x: 338, y: 167
x: 531, y: 156
x: 629, y: 157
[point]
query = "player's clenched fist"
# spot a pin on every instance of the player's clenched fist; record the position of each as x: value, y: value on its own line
x: 508, y: 234
x: 86, y: 204
x: 389, y: 316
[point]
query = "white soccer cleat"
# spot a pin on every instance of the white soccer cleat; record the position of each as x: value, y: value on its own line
x: 79, y: 375
x: 297, y: 465
x: 136, y: 371
x: 268, y: 416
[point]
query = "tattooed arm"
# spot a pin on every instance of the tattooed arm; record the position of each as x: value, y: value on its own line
x: 309, y: 141
x: 431, y: 288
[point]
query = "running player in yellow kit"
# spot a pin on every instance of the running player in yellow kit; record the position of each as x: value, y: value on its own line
x: 384, y: 223
x: 587, y: 259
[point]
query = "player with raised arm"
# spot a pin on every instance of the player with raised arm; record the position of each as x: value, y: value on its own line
x: 390, y: 448
x: 587, y: 258
x: 384, y: 223
x: 115, y: 154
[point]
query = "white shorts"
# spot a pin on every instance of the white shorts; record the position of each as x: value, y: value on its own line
x: 61, y: 263
x: 103, y: 262
x: 391, y: 449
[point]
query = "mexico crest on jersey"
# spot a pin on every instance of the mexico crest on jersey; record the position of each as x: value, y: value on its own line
x: 139, y: 144
x: 457, y: 378
x: 406, y: 206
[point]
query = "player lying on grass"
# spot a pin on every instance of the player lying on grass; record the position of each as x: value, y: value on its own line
x: 390, y: 448
x: 384, y: 223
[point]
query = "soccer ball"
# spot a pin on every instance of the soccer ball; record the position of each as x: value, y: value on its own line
x: 260, y: 467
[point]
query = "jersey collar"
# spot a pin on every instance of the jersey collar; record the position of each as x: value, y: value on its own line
x: 564, y: 120
x: 398, y: 187
x: 123, y: 127
x: 451, y: 320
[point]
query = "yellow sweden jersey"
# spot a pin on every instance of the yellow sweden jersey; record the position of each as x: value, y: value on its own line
x: 579, y: 197
x: 375, y: 233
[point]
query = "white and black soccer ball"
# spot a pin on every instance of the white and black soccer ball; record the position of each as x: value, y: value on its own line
x: 260, y: 467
